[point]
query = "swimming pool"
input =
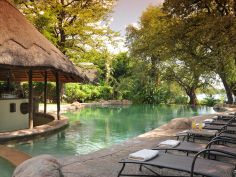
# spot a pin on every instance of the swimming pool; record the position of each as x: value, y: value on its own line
x: 6, y: 168
x: 98, y: 127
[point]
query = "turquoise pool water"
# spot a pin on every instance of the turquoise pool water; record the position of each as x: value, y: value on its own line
x: 98, y: 127
x: 6, y: 168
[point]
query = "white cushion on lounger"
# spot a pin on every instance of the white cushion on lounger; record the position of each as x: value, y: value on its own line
x: 143, y: 155
x: 208, y: 120
x: 214, y: 117
x: 171, y: 143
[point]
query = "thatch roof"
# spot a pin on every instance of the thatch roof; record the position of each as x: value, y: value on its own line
x: 90, y: 74
x: 22, y: 48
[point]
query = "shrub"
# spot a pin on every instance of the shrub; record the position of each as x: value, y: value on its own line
x: 87, y: 92
x: 38, y: 89
x: 179, y: 99
x: 210, y: 101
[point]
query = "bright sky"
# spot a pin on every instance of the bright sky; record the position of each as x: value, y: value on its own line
x: 128, y: 12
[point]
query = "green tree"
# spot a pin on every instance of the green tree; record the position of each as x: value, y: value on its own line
x: 121, y: 75
x: 74, y: 26
x: 79, y: 28
x: 121, y: 65
x: 148, y: 41
x: 154, y: 42
x: 213, y: 45
x: 189, y: 77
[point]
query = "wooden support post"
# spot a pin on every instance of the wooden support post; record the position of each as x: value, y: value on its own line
x: 58, y: 95
x: 31, y: 107
x: 45, y: 92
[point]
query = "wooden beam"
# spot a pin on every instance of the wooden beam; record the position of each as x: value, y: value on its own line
x: 31, y: 120
x: 45, y: 91
x: 58, y: 94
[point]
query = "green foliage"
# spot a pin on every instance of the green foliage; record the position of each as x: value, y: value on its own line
x: 146, y: 91
x: 158, y: 95
x: 197, y: 33
x: 180, y: 99
x: 73, y: 26
x: 182, y: 44
x: 4, y: 86
x: 125, y: 88
x: 210, y: 101
x: 153, y: 44
x: 38, y: 91
x: 86, y: 93
x: 121, y: 65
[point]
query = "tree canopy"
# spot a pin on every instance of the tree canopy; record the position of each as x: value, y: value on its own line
x: 181, y: 42
x: 74, y: 26
x: 208, y: 27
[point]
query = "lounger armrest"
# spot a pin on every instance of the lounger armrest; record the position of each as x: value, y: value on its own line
x: 208, y: 151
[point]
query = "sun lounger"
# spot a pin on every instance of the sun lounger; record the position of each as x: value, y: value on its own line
x: 207, y: 133
x: 230, y: 127
x: 220, y: 122
x: 227, y: 133
x: 192, y: 134
x: 225, y: 117
x: 193, y: 165
x: 190, y: 147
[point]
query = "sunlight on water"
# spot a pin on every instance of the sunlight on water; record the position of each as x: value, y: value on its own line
x: 98, y: 127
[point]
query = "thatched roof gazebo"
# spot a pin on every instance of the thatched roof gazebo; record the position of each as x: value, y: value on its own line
x: 26, y: 55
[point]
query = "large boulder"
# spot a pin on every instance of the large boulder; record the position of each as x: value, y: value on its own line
x: 219, y: 108
x: 40, y: 166
x: 77, y: 105
x: 178, y: 123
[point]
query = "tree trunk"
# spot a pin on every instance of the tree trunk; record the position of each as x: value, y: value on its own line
x: 154, y: 69
x: 62, y: 40
x: 108, y: 67
x: 192, y: 96
x: 227, y: 90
